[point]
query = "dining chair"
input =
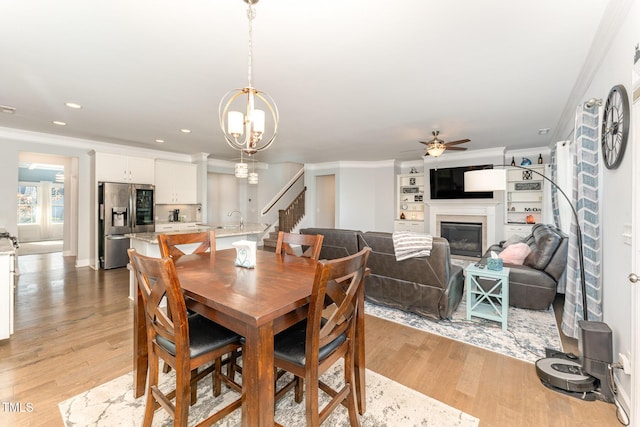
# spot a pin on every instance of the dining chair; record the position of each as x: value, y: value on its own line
x: 169, y: 243
x: 312, y: 241
x: 185, y: 342
x: 313, y: 345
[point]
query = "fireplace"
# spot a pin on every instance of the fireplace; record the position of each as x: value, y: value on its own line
x: 465, y: 238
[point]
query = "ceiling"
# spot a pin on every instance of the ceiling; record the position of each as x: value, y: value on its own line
x: 353, y: 80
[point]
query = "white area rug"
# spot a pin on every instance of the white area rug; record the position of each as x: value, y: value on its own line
x: 44, y: 247
x: 529, y: 331
x: 388, y: 404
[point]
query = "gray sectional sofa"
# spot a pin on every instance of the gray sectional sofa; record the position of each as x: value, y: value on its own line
x: 429, y: 286
x: 533, y: 284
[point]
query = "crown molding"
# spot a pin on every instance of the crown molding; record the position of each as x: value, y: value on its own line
x: 350, y: 164
x: 612, y: 19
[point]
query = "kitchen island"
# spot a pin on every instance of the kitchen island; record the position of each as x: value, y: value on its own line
x: 147, y: 243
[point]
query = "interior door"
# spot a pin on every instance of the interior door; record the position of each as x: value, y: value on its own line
x: 326, y: 201
x: 634, y: 140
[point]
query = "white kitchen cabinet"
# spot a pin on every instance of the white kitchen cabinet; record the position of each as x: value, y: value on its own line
x: 185, y: 226
x: 176, y: 226
x: 118, y: 168
x: 415, y: 226
x: 163, y: 228
x: 7, y: 287
x: 176, y: 183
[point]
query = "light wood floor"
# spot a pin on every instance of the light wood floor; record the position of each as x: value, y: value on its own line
x: 73, y: 331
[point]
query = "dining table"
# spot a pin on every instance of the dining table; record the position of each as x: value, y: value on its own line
x: 256, y: 303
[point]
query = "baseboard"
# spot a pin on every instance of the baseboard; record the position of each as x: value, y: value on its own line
x: 623, y: 396
x: 82, y: 263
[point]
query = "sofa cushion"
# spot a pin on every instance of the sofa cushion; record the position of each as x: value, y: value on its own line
x: 515, y: 238
x: 337, y: 243
x: 543, y: 248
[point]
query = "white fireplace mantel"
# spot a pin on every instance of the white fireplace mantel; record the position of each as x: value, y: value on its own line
x: 482, y: 211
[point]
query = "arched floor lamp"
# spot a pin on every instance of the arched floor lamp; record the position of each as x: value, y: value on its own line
x: 496, y: 180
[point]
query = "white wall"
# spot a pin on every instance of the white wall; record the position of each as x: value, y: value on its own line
x: 365, y: 194
x: 222, y: 196
x: 615, y: 68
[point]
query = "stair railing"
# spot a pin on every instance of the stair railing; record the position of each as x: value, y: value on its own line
x: 282, y: 192
x: 290, y: 217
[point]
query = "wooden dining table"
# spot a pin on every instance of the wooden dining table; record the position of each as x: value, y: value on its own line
x: 256, y: 303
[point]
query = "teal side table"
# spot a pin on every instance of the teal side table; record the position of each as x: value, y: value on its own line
x: 487, y: 293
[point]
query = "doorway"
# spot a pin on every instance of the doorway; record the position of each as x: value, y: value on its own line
x: 326, y: 201
x: 44, y: 211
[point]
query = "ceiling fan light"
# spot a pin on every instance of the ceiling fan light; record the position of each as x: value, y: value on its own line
x: 436, y: 150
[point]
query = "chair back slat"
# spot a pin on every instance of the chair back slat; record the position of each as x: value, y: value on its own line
x: 169, y: 243
x: 312, y: 242
x: 336, y: 285
x: 157, y: 279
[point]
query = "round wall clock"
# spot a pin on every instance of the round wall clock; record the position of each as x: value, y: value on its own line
x: 615, y: 126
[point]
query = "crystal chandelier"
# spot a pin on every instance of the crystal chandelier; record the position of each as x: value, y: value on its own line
x: 246, y: 131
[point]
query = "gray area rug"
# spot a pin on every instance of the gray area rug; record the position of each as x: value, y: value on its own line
x: 529, y: 331
x: 388, y: 404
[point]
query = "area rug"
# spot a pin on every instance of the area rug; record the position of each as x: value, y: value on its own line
x: 529, y: 332
x: 43, y: 247
x: 388, y: 404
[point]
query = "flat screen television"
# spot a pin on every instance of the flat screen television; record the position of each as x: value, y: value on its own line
x: 448, y: 183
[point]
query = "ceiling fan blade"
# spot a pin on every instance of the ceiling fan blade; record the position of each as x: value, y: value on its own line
x: 425, y: 143
x: 456, y: 148
x: 462, y: 141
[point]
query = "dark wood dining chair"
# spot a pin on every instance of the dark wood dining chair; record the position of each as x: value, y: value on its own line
x: 313, y: 242
x: 169, y: 243
x: 313, y: 345
x: 185, y: 342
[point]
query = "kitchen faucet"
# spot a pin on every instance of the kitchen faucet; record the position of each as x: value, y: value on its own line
x: 239, y: 213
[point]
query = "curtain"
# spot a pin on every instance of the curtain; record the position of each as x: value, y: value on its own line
x: 562, y: 175
x: 585, y: 201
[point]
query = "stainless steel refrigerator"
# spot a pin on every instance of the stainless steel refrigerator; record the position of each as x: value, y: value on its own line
x: 122, y: 209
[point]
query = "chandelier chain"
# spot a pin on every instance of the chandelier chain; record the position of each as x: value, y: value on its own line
x: 251, y: 13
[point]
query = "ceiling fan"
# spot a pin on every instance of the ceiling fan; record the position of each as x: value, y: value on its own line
x: 436, y: 146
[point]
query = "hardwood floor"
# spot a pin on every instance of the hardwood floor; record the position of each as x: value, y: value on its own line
x: 73, y: 331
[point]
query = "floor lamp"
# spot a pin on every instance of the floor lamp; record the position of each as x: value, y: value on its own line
x: 496, y: 180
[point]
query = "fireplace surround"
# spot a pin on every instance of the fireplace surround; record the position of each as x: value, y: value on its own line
x: 485, y: 213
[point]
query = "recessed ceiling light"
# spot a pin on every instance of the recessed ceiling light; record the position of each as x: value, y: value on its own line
x: 543, y: 131
x: 160, y: 141
x: 59, y: 123
x: 185, y: 130
x: 73, y: 105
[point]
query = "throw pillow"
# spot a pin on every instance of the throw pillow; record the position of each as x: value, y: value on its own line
x: 513, y: 239
x: 515, y: 253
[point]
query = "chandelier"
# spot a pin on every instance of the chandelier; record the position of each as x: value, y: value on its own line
x: 245, y: 131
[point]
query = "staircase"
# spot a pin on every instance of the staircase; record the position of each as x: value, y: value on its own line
x: 287, y: 220
x: 269, y: 242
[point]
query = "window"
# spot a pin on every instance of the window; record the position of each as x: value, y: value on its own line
x: 27, y: 204
x: 57, y: 203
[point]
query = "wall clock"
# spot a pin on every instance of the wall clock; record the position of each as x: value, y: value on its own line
x: 615, y: 127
